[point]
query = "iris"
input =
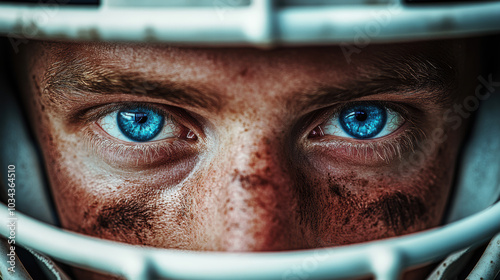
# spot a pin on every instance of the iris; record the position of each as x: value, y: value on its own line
x: 140, y: 124
x: 364, y: 120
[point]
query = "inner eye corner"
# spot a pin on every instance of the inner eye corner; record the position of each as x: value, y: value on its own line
x: 316, y: 132
x: 188, y: 134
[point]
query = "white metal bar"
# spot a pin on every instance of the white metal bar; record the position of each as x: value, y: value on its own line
x: 236, y: 25
x: 341, y: 262
x: 488, y: 267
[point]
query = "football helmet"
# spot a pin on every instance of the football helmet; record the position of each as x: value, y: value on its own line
x: 473, y: 218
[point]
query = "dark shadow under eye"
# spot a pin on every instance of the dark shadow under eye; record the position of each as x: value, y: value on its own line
x: 140, y: 124
x: 364, y: 120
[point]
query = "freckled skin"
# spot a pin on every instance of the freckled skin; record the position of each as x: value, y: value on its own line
x: 253, y: 183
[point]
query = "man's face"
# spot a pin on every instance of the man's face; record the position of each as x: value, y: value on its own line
x: 255, y: 150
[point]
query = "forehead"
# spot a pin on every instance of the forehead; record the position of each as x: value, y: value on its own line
x: 162, y: 60
x: 226, y: 73
x: 240, y: 75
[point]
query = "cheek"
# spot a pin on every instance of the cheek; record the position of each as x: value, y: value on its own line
x: 127, y: 211
x: 349, y: 207
x: 343, y: 209
x: 133, y: 208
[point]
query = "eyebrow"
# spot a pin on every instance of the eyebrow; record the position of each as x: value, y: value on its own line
x: 68, y: 79
x: 395, y: 74
x: 434, y: 78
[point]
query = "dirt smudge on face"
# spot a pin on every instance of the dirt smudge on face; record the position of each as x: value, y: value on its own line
x: 398, y: 211
x: 126, y: 219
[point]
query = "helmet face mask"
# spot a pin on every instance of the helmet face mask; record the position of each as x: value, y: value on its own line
x: 241, y: 149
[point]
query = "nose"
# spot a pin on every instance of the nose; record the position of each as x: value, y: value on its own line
x: 255, y: 197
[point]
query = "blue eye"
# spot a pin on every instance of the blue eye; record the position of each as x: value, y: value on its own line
x: 139, y: 124
x: 363, y: 120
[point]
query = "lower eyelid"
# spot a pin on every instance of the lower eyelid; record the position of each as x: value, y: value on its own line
x: 370, y: 152
x: 126, y: 155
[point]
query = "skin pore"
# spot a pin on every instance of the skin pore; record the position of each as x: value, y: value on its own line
x: 249, y: 167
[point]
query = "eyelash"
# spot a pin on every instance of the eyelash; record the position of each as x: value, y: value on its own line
x: 154, y: 153
x: 385, y: 148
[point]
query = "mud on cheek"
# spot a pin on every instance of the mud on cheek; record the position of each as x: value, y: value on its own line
x: 144, y: 216
x: 125, y: 219
x: 348, y: 208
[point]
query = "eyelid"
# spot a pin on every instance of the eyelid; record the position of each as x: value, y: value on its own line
x: 393, y: 122
x: 97, y: 112
x: 131, y: 155
x: 136, y: 156
x: 365, y: 151
x: 170, y: 128
x: 93, y: 114
x: 323, y: 115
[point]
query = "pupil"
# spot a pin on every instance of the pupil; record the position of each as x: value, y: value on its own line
x: 141, y: 118
x: 361, y: 116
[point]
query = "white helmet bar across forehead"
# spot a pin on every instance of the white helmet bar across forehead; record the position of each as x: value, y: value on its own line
x: 261, y: 23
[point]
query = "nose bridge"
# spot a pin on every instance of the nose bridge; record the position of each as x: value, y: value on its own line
x: 257, y: 156
x: 259, y: 161
x: 257, y: 191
